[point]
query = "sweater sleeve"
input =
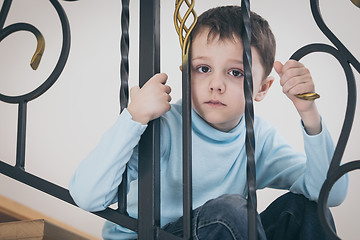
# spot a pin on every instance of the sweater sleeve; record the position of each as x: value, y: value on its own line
x: 95, y: 182
x: 279, y: 166
x: 319, y: 151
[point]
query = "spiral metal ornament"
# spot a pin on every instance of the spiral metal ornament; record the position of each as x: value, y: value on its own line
x: 124, y: 92
x: 181, y: 29
x: 249, y: 119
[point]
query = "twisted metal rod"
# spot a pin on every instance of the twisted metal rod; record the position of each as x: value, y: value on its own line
x: 249, y: 120
x: 124, y: 46
x: 124, y: 92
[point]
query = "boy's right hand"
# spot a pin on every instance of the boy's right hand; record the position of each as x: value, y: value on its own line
x: 151, y: 101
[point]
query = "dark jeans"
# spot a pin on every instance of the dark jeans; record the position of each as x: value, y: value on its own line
x: 291, y: 216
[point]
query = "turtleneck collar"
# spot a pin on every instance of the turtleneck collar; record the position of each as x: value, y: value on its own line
x: 204, y: 130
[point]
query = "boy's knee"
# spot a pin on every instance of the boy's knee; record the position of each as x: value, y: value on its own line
x: 229, y: 208
x: 228, y: 213
x: 293, y: 211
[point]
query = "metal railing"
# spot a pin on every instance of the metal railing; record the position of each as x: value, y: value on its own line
x: 148, y: 223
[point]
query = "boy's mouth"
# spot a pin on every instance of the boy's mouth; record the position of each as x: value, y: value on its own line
x: 215, y: 103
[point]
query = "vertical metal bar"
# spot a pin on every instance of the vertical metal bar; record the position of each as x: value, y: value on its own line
x: 249, y: 120
x: 187, y: 146
x: 185, y: 42
x: 21, y: 136
x: 149, y: 145
x: 122, y: 194
x: 4, y: 12
x: 124, y: 92
x: 124, y: 47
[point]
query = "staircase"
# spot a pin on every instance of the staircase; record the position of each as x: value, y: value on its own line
x: 23, y: 223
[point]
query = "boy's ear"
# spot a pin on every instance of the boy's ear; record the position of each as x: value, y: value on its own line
x: 265, y: 85
x: 180, y: 67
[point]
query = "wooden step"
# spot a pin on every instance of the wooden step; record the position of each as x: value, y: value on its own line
x: 39, y: 229
x: 11, y: 211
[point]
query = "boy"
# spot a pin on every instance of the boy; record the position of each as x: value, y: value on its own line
x: 219, y: 157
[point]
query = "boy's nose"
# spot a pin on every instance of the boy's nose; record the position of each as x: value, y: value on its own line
x: 217, y: 85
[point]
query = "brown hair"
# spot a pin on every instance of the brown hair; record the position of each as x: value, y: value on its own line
x: 225, y: 22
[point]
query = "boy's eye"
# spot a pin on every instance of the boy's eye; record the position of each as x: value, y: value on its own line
x: 203, y: 69
x: 236, y: 73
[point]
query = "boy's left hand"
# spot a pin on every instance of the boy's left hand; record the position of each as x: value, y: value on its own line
x: 295, y: 79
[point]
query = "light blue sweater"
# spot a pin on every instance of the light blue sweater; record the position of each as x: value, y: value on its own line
x: 219, y: 166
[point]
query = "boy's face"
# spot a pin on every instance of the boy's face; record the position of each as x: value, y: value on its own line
x: 217, y: 80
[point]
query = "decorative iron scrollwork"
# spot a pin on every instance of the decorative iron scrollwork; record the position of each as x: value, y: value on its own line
x: 4, y: 32
x: 22, y: 100
x: 345, y: 58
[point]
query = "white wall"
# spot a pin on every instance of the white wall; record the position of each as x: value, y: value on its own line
x: 68, y: 120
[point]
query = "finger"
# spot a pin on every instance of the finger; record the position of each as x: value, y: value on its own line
x: 292, y: 64
x: 134, y: 91
x: 157, y: 78
x: 300, y: 89
x: 278, y: 67
x: 167, y: 89
x: 294, y: 73
x: 168, y: 107
x: 165, y: 96
x: 161, y: 77
x: 298, y: 86
x: 291, y: 83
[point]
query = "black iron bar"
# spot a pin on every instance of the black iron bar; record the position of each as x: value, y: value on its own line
x: 187, y: 146
x: 21, y: 136
x: 249, y: 120
x: 124, y: 46
x: 122, y: 194
x: 4, y: 12
x: 62, y: 193
x: 315, y: 9
x: 124, y: 93
x: 149, y: 145
x: 325, y: 191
